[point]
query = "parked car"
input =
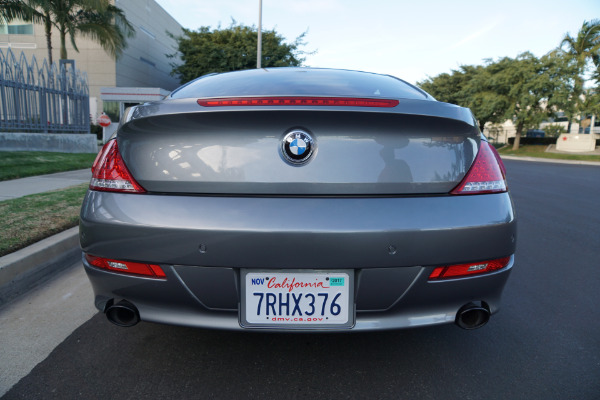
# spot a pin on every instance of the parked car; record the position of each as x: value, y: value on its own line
x: 298, y: 199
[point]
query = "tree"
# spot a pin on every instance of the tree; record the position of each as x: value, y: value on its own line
x: 525, y: 89
x: 554, y: 130
x: 590, y: 105
x: 583, y: 51
x: 482, y: 97
x: 13, y: 9
x: 234, y: 48
x: 468, y: 87
x: 558, y: 72
x: 447, y: 87
x: 96, y: 19
x: 533, y: 88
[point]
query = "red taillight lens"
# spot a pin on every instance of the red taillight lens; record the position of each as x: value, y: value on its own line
x: 462, y: 270
x: 110, y: 174
x: 297, y: 101
x: 486, y: 174
x: 127, y: 267
x: 500, y: 162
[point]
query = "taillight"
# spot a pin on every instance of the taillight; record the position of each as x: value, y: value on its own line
x: 126, y: 267
x: 470, y: 269
x: 110, y: 174
x: 297, y: 101
x: 486, y: 175
x: 500, y: 162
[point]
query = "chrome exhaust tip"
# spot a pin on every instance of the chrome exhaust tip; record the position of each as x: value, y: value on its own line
x: 123, y: 314
x: 473, y: 316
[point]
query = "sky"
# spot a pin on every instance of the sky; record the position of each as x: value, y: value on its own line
x: 412, y: 40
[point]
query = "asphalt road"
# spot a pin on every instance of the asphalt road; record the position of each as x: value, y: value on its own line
x: 544, y: 344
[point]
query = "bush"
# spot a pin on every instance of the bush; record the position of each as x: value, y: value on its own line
x: 554, y: 130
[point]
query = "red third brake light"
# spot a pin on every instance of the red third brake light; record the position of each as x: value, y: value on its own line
x: 110, y: 174
x: 297, y: 101
x: 463, y: 270
x: 486, y: 175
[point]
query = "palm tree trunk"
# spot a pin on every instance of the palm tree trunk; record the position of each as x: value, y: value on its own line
x: 48, y: 32
x: 63, y: 46
x: 578, y: 92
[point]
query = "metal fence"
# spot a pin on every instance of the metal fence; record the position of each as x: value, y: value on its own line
x: 50, y: 99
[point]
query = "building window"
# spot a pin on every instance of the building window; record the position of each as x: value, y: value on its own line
x: 16, y: 28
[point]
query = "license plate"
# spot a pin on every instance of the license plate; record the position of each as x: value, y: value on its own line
x: 297, y: 299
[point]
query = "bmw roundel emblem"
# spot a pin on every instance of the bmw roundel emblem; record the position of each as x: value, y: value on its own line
x: 297, y: 146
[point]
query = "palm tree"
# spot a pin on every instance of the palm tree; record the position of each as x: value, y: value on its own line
x: 13, y: 9
x: 586, y: 46
x: 105, y: 24
x: 582, y: 49
x: 96, y: 19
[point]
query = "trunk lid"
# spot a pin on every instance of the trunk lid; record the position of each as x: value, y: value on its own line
x: 418, y: 147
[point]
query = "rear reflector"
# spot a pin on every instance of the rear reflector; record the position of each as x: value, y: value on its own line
x: 127, y: 267
x: 297, y: 101
x: 462, y: 270
x: 110, y: 174
x: 486, y: 175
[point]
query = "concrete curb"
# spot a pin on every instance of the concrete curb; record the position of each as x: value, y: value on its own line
x: 551, y: 160
x: 27, y: 268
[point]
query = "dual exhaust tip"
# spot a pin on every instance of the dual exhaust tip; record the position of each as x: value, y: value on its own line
x: 470, y: 316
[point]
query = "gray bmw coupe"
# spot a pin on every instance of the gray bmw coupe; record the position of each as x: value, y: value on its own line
x: 298, y: 199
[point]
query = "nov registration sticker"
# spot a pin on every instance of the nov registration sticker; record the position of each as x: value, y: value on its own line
x: 297, y: 299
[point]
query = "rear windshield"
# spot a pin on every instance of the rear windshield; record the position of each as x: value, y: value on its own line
x: 298, y: 81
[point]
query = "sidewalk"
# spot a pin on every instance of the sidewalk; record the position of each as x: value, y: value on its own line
x: 43, y: 183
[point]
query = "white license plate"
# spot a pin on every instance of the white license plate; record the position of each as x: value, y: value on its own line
x: 297, y: 299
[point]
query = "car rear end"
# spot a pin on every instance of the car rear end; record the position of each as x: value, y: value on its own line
x: 314, y: 203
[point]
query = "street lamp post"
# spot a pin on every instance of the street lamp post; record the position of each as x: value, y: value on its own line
x: 259, y: 47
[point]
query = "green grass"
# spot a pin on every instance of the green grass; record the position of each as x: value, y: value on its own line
x: 29, y: 219
x: 21, y: 164
x: 539, y: 151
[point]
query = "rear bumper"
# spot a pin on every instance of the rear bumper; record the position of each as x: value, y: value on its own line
x: 172, y: 301
x: 391, y: 245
